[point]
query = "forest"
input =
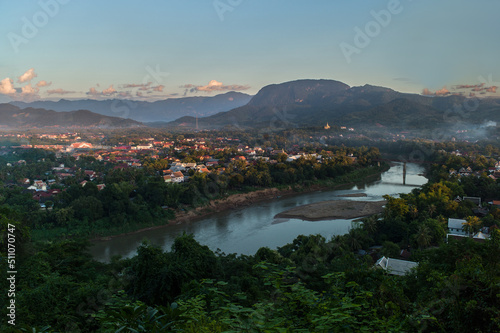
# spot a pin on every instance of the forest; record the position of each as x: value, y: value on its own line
x: 310, y: 285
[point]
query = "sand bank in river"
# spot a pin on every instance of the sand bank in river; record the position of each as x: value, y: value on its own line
x: 333, y: 209
x: 352, y: 195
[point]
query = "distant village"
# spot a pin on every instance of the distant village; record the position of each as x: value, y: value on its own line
x: 130, y: 155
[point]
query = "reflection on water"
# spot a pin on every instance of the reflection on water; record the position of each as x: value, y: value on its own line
x: 246, y: 230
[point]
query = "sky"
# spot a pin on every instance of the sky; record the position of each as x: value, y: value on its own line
x: 150, y: 50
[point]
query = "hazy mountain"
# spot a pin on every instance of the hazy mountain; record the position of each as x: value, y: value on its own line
x: 315, y: 102
x: 12, y: 117
x: 300, y: 92
x: 163, y: 110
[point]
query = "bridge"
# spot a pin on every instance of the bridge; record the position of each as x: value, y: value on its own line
x: 402, y: 161
x: 404, y: 167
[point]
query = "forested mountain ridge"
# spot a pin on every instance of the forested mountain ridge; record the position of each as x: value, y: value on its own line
x: 13, y: 117
x: 316, y: 102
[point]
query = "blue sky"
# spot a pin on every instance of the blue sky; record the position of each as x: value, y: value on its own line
x: 172, y: 48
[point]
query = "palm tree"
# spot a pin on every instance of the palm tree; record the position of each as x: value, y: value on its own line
x: 370, y: 224
x: 472, y: 225
x: 423, y: 236
x: 355, y: 239
x: 432, y: 209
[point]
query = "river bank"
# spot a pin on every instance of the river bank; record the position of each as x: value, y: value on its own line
x: 241, y: 200
x: 333, y: 210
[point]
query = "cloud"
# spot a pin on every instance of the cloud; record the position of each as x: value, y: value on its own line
x: 135, y: 85
x: 6, y: 87
x: 59, y: 92
x: 211, y: 86
x: 441, y: 92
x: 28, y: 90
x: 109, y: 91
x: 106, y: 92
x: 427, y: 92
x: 28, y: 76
x: 43, y: 83
x: 27, y: 93
x: 124, y: 94
x: 141, y: 90
x: 158, y: 88
x: 214, y: 86
x: 93, y: 92
x: 473, y: 89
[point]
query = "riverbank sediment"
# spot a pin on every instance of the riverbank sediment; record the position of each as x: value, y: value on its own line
x: 333, y: 210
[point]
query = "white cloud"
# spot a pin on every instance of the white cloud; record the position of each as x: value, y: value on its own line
x: 28, y: 90
x: 214, y: 86
x: 28, y: 76
x: 109, y: 91
x: 93, y: 92
x: 6, y: 87
x: 43, y: 83
x: 106, y: 92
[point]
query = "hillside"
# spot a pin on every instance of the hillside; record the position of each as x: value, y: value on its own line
x: 162, y: 110
x: 315, y: 102
x: 13, y: 117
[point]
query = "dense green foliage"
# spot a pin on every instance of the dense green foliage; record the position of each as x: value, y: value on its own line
x: 310, y: 285
x: 136, y: 198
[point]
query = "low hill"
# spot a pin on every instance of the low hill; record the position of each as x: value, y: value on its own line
x: 13, y: 117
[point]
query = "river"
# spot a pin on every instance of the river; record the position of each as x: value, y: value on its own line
x: 245, y: 230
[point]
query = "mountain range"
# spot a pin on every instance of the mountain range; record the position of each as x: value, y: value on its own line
x: 159, y: 111
x: 316, y: 102
x: 13, y: 117
x: 291, y: 104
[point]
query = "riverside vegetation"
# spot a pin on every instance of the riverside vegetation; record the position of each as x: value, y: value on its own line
x: 310, y: 285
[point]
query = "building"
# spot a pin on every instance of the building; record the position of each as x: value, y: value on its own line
x: 177, y: 177
x: 327, y: 126
x: 395, y: 266
x: 455, y: 226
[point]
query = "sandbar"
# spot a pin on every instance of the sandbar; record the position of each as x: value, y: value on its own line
x: 333, y: 210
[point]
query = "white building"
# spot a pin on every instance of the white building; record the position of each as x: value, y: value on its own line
x: 395, y: 266
x: 455, y: 226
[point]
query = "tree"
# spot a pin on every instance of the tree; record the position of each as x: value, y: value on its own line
x: 432, y: 209
x: 370, y: 224
x: 414, y: 211
x: 396, y: 206
x: 390, y: 249
x: 423, y: 236
x: 472, y: 225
